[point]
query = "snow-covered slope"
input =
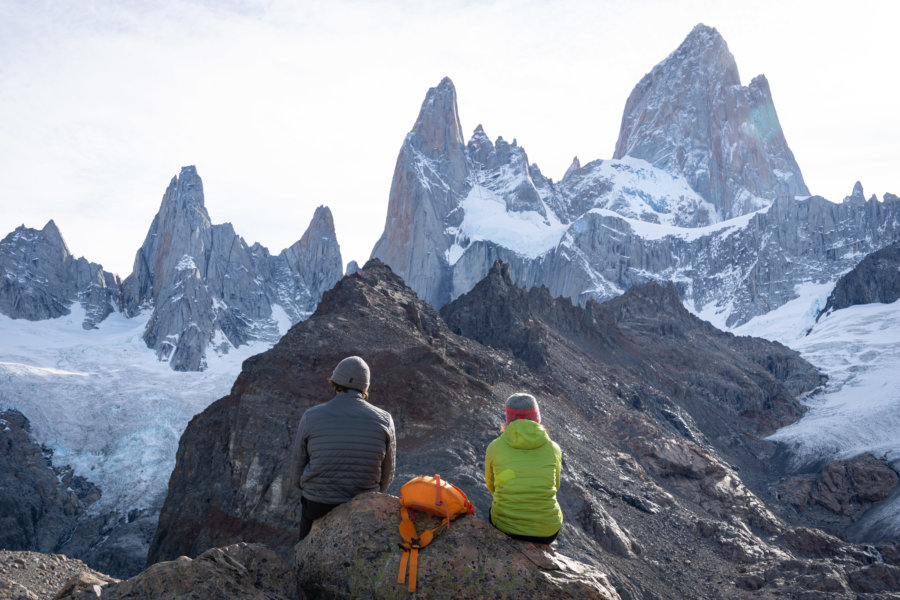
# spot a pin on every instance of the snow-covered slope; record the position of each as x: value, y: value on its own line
x: 104, y: 404
x: 858, y: 411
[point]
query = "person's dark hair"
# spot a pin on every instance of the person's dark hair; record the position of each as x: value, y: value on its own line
x: 339, y: 388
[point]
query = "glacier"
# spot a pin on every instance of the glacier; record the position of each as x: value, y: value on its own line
x: 104, y: 404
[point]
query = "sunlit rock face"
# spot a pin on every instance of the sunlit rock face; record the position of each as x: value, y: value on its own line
x: 691, y: 115
x: 207, y: 287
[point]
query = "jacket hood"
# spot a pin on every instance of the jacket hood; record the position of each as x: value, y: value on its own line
x: 525, y: 434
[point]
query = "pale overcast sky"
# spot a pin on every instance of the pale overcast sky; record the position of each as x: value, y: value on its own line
x: 284, y: 106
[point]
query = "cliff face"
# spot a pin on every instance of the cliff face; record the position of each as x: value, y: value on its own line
x: 690, y: 115
x: 875, y: 279
x: 40, y: 279
x: 654, y: 409
x: 428, y: 185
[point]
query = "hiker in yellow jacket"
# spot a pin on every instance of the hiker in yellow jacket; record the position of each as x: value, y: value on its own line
x: 521, y: 469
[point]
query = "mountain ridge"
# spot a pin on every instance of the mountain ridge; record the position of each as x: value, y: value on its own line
x: 204, y: 286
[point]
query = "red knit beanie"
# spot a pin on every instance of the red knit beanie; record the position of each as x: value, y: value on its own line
x: 522, y: 406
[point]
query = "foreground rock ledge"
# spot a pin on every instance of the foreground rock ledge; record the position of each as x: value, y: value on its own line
x: 353, y: 552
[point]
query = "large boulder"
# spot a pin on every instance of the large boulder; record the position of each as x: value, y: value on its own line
x: 353, y: 552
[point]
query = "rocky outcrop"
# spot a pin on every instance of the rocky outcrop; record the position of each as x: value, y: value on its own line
x: 47, y: 508
x: 875, y: 279
x: 207, y: 287
x: 352, y: 553
x: 840, y: 494
x: 691, y: 115
x: 36, y: 576
x: 40, y: 279
x: 39, y: 503
x: 249, y: 571
x: 471, y: 559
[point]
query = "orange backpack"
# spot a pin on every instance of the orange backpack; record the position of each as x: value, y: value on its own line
x: 433, y: 496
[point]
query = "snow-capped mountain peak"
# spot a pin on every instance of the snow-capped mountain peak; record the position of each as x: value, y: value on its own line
x: 690, y: 115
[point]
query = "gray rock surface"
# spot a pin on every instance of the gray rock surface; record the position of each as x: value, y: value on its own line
x: 40, y: 279
x: 249, y: 571
x: 691, y: 115
x: 352, y: 553
x: 206, y: 286
x: 41, y: 576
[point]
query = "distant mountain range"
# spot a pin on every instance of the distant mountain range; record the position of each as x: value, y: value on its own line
x: 703, y: 190
x: 202, y: 284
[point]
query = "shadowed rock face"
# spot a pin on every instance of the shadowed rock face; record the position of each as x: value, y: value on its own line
x: 875, y: 279
x: 47, y: 509
x: 39, y: 504
x: 704, y: 384
x: 647, y: 482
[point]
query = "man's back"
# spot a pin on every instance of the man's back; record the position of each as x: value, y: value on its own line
x: 346, y: 447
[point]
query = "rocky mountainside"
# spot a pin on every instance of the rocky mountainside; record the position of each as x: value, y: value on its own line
x: 658, y: 493
x: 206, y: 288
x: 703, y: 191
x: 875, y: 279
x: 39, y: 278
x: 39, y: 504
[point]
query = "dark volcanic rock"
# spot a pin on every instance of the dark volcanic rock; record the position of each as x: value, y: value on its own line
x: 648, y: 493
x: 875, y: 279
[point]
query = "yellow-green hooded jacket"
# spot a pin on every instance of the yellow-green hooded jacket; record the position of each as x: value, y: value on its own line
x: 521, y: 469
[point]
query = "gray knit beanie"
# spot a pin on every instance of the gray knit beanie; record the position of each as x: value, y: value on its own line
x: 352, y: 373
x: 522, y: 406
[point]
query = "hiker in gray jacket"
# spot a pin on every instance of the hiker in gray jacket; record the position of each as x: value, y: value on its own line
x: 344, y: 447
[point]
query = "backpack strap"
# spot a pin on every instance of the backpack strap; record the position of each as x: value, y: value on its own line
x: 412, y: 542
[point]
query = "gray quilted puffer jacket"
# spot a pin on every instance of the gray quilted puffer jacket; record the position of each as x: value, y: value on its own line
x: 343, y: 448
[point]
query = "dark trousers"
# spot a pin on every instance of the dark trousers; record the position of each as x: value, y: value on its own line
x: 310, y: 512
x: 526, y: 538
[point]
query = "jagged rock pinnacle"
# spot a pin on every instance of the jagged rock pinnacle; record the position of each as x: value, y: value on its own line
x: 691, y: 116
